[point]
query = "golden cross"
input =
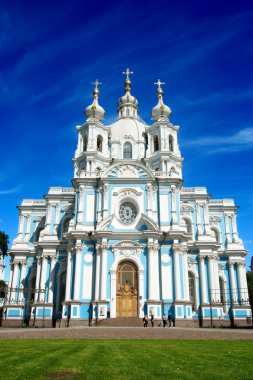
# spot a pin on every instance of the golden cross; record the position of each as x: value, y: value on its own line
x: 159, y: 83
x: 127, y: 72
x: 96, y: 84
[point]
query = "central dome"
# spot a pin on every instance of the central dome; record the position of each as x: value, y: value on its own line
x: 132, y: 128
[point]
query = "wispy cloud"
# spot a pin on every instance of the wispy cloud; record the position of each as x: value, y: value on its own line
x: 240, y: 141
x: 10, y: 191
x: 228, y: 95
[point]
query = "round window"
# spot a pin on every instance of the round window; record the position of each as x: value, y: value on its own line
x: 127, y: 212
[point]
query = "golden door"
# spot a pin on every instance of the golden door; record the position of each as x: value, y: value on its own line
x: 127, y: 290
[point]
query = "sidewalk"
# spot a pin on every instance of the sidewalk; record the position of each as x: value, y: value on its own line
x: 125, y: 333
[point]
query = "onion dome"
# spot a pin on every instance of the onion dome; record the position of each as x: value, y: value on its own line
x: 127, y: 101
x: 95, y: 111
x: 160, y: 111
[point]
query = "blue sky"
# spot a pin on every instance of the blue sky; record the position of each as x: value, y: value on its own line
x: 51, y: 51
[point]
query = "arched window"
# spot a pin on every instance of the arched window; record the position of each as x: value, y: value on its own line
x: 99, y: 143
x: 192, y: 289
x: 85, y: 140
x: 171, y: 148
x: 188, y: 225
x: 65, y: 227
x: 215, y: 234
x: 222, y: 293
x: 127, y: 150
x: 156, y: 143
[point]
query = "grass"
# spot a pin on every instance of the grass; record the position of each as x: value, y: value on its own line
x: 127, y: 359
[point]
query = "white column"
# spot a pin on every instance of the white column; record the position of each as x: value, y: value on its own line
x: 212, y: 290
x: 77, y: 273
x: 198, y: 219
x: 206, y: 219
x: 232, y: 283
x: 22, y: 280
x: 103, y: 272
x: 10, y: 280
x: 154, y: 203
x: 234, y: 226
x: 113, y: 293
x: 156, y: 273
x: 203, y: 279
x: 149, y: 190
x: 105, y: 201
x: 15, y: 278
x: 243, y: 288
x: 28, y: 226
x: 68, y: 275
x: 38, y: 277
x: 186, y: 277
x: 151, y: 274
x: 51, y: 279
x: 80, y: 206
x: 173, y: 207
x: 99, y: 205
x: 43, y: 278
x: 227, y: 231
x: 20, y: 229
x: 216, y: 277
x: 176, y: 267
x: 98, y: 262
x: 57, y: 218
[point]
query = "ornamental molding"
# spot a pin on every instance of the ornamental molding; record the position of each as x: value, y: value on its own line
x: 214, y: 219
x: 185, y: 209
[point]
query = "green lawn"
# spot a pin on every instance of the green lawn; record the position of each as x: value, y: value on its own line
x: 127, y: 359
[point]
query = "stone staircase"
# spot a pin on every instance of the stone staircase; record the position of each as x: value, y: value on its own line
x: 120, y: 322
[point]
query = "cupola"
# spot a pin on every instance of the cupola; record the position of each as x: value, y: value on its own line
x: 160, y: 111
x: 127, y: 104
x: 95, y: 112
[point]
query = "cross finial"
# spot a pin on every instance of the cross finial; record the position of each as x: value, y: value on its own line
x: 96, y: 84
x: 159, y: 83
x: 127, y: 72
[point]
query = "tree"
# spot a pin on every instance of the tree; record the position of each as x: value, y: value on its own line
x: 4, y: 241
x: 250, y: 288
x: 3, y: 288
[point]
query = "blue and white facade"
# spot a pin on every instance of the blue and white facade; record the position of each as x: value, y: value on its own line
x: 127, y: 238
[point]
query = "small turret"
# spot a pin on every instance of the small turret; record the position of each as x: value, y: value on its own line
x: 95, y: 112
x: 127, y: 104
x: 160, y: 111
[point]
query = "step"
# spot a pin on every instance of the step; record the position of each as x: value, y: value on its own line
x: 120, y: 322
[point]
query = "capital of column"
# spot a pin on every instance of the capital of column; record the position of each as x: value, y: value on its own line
x: 184, y: 250
x: 78, y: 248
x: 176, y: 248
x: 201, y: 258
x: 231, y: 265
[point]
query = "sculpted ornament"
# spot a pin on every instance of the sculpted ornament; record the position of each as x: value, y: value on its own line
x: 127, y: 171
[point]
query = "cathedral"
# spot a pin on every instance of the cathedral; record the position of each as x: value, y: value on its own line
x: 127, y: 239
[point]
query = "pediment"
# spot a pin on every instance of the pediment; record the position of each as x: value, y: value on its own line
x: 128, y: 171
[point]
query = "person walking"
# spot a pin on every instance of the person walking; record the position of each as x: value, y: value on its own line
x: 152, y: 319
x: 145, y: 321
x: 164, y: 320
x: 169, y: 319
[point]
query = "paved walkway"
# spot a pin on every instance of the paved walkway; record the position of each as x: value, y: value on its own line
x: 125, y: 333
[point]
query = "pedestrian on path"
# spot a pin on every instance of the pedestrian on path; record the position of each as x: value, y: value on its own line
x: 145, y: 321
x: 169, y: 319
x: 152, y: 319
x: 164, y: 320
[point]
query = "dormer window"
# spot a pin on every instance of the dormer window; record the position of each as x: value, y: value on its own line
x: 171, y: 148
x: 127, y: 150
x: 99, y: 143
x: 85, y: 143
x: 156, y: 143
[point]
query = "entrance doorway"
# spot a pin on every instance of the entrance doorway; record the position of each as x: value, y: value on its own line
x: 127, y: 290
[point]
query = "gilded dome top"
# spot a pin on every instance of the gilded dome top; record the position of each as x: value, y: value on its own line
x: 95, y: 111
